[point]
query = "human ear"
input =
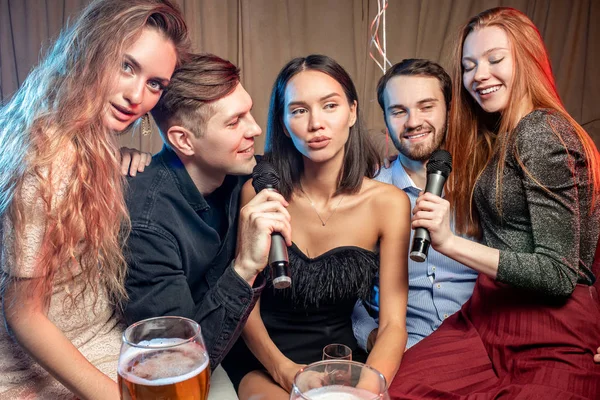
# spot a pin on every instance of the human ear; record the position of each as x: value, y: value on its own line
x: 352, y: 119
x: 181, y: 139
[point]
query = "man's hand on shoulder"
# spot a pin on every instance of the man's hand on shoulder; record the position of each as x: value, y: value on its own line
x: 133, y: 160
x: 262, y: 216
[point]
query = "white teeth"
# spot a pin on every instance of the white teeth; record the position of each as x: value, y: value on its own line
x: 416, y: 136
x: 489, y: 90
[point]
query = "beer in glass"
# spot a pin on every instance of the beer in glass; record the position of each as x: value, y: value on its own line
x: 164, y: 358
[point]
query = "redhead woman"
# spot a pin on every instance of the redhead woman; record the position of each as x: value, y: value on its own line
x: 526, y: 181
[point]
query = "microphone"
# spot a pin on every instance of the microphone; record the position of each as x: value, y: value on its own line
x: 264, y: 176
x: 439, y: 167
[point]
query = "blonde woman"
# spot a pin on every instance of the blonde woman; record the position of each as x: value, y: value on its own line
x: 61, y: 196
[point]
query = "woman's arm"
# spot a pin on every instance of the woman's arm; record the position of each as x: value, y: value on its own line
x: 255, y: 334
x: 392, y: 210
x: 433, y: 213
x: 28, y: 294
x: 47, y: 345
x: 550, y: 163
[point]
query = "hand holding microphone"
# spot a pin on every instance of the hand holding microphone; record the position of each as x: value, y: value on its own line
x: 262, y: 219
x: 264, y: 176
x: 439, y: 167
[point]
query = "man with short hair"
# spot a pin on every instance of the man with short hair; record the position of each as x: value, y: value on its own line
x: 185, y: 209
x: 415, y: 98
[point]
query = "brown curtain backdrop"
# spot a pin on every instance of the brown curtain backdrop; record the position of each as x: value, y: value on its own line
x: 262, y: 35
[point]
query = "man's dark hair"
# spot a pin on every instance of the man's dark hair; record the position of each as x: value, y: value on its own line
x: 416, y: 67
x: 186, y: 101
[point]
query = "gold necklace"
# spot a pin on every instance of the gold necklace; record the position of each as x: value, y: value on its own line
x: 312, y: 204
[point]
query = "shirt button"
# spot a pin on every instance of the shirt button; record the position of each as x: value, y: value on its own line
x: 445, y: 316
x: 433, y: 268
x: 243, y: 299
x: 439, y: 286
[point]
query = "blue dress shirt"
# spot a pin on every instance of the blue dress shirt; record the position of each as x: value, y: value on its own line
x: 438, y: 287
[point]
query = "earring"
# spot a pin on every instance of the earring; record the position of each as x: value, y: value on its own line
x: 146, y: 128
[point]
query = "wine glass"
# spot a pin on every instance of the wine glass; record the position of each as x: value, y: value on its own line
x: 163, y: 358
x: 317, y: 382
x: 337, y: 351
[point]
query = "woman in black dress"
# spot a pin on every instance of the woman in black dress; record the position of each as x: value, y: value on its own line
x: 345, y: 226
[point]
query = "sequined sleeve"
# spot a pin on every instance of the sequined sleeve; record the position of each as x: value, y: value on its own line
x: 554, y: 183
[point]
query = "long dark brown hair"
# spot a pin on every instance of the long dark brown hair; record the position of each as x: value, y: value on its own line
x: 360, y: 157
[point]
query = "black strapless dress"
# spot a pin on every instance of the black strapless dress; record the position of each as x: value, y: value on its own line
x: 315, y: 311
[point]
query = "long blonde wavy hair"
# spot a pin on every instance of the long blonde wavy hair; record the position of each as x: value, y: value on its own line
x: 58, y: 107
x: 473, y: 136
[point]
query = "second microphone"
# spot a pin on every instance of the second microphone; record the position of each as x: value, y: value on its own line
x: 439, y: 167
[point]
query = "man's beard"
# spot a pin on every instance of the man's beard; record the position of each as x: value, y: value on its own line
x: 422, y: 151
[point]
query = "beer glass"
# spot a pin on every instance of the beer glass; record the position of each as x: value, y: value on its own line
x: 319, y: 381
x: 163, y: 358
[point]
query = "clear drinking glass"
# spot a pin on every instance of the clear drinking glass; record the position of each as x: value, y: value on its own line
x: 320, y: 381
x: 337, y: 351
x: 164, y: 358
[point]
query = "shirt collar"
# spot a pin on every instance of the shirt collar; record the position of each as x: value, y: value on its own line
x: 183, y: 180
x: 400, y: 178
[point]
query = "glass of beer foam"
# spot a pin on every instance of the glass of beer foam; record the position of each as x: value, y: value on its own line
x: 321, y: 381
x: 164, y: 358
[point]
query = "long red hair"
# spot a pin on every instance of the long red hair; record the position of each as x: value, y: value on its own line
x: 474, y: 136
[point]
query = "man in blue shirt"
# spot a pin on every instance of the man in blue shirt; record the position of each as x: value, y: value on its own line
x: 415, y: 98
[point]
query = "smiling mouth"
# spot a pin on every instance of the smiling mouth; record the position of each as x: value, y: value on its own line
x: 489, y: 90
x: 246, y: 151
x: 416, y: 135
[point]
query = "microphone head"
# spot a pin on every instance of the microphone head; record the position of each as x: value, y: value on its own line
x: 264, y: 176
x: 440, y: 161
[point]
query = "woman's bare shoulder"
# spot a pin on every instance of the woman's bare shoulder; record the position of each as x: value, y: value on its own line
x: 383, y: 193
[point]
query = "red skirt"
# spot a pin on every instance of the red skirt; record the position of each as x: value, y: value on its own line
x: 507, y: 343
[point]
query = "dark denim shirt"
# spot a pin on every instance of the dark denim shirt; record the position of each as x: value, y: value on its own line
x: 178, y: 264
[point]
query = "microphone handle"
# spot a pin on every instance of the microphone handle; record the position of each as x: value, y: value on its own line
x: 420, y: 245
x: 279, y: 262
x: 421, y: 238
x: 435, y: 183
